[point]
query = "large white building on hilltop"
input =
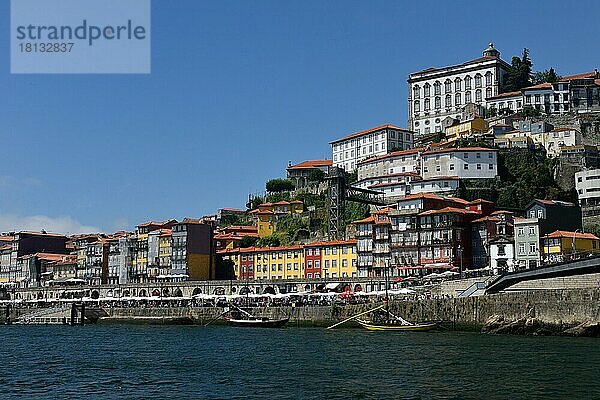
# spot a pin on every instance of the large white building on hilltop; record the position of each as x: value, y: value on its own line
x: 348, y: 151
x: 437, y: 93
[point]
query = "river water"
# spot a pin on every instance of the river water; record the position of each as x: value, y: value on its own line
x: 217, y: 362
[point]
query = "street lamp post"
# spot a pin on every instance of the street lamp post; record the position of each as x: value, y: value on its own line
x: 460, y: 254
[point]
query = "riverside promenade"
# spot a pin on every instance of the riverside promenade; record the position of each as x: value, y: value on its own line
x: 573, y: 312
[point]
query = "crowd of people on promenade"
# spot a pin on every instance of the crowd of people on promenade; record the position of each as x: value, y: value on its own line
x: 293, y: 299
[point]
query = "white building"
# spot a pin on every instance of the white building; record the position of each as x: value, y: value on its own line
x: 560, y: 137
x: 502, y: 254
x: 463, y: 163
x: 437, y: 93
x: 348, y: 151
x: 587, y: 184
x: 439, y: 185
x: 511, y: 101
x: 397, y: 162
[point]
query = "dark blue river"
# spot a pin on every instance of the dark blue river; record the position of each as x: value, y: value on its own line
x: 187, y: 362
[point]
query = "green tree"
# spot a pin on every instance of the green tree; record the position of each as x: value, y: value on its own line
x: 547, y: 75
x: 268, y: 241
x: 316, y: 175
x: 519, y: 73
x: 278, y: 185
x: 248, y: 241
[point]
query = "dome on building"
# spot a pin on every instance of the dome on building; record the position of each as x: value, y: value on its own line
x: 491, y: 51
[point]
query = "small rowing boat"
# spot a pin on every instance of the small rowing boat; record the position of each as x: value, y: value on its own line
x: 396, y: 327
x: 257, y: 322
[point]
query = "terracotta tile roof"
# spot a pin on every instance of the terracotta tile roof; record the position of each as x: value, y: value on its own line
x: 458, y: 199
x: 578, y: 76
x: 265, y: 204
x: 6, y: 247
x: 296, y: 202
x: 6, y: 238
x: 365, y: 220
x: 371, y: 130
x: 554, y: 202
x: 479, y: 201
x: 393, y: 154
x: 331, y: 243
x: 421, y: 196
x: 567, y: 234
x: 384, y: 210
x: 312, y: 164
x: 49, y: 256
x: 458, y: 150
x: 474, y: 61
x: 502, y: 212
x: 282, y: 203
x: 42, y: 234
x: 544, y: 85
x: 447, y: 210
x: 485, y: 219
x: 504, y: 95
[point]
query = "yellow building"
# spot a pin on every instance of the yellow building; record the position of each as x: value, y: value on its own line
x: 338, y: 258
x: 164, y: 249
x: 266, y: 214
x: 476, y: 126
x: 559, y: 244
x: 284, y: 262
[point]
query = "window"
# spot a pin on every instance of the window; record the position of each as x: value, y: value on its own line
x: 488, y: 92
x: 427, y: 105
x: 451, y: 167
x: 478, y: 80
x: 448, y: 101
x: 467, y: 82
x: 521, y: 248
x: 478, y: 155
x: 532, y: 247
x: 467, y: 97
x: 457, y: 84
x: 438, y: 103
x: 521, y: 231
x: 540, y: 214
x: 528, y: 99
x: 537, y: 98
x: 426, y: 89
x: 457, y: 100
x: 417, y: 107
x: 488, y: 78
x: 437, y: 88
x: 416, y: 91
x: 466, y: 166
x: 478, y: 95
x: 490, y: 166
x: 501, y: 250
x: 531, y: 230
x: 478, y: 166
x: 447, y: 86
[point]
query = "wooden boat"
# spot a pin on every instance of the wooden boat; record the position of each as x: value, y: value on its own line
x: 257, y: 322
x: 396, y: 327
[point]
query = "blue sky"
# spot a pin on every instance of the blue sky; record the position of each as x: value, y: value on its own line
x: 237, y: 89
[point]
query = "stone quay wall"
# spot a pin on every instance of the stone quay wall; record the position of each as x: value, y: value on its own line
x: 560, y: 308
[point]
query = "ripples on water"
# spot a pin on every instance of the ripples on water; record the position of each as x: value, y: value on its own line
x: 175, y: 362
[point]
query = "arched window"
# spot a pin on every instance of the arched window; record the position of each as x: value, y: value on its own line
x: 427, y: 104
x: 488, y: 92
x: 416, y: 91
x: 426, y: 89
x: 457, y: 99
x: 478, y: 80
x: 468, y: 97
x: 417, y: 106
x: 437, y: 88
x: 478, y: 95
x: 467, y: 82
x: 448, y: 86
x: 448, y: 101
x: 458, y: 84
x: 438, y: 103
x: 488, y: 78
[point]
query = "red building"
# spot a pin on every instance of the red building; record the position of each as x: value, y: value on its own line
x: 312, y: 260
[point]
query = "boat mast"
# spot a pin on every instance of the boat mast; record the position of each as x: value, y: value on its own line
x: 387, y: 298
